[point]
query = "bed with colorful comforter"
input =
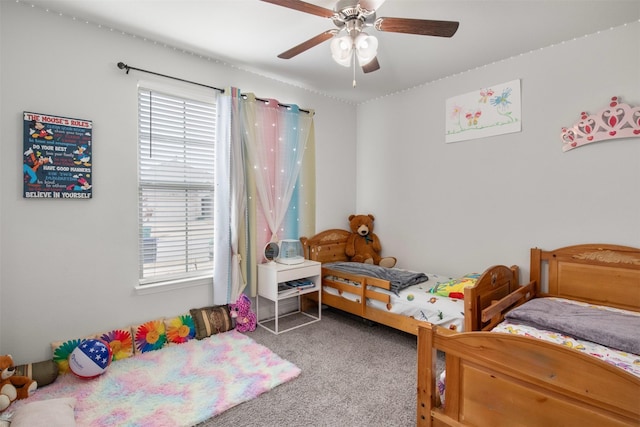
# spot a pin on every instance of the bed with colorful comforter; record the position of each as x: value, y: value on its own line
x: 404, y: 299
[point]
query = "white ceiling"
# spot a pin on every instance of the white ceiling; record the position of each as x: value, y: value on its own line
x: 249, y: 34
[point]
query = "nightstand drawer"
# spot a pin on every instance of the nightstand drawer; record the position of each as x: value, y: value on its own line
x: 297, y: 273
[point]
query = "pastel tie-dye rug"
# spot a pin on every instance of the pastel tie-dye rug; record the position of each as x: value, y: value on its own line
x: 179, y: 385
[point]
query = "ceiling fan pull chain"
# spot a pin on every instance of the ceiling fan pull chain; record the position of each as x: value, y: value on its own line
x: 354, y: 68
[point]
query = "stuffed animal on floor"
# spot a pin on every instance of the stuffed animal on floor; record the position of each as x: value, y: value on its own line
x: 363, y: 244
x: 241, y: 311
x: 13, y: 386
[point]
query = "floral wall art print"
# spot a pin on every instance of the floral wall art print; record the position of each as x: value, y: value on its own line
x: 489, y: 111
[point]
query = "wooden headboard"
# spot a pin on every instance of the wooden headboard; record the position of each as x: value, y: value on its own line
x: 327, y: 246
x: 597, y: 273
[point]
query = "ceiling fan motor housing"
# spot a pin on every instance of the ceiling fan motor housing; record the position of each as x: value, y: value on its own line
x: 349, y: 13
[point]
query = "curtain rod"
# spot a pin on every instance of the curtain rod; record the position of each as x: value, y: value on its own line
x: 126, y: 67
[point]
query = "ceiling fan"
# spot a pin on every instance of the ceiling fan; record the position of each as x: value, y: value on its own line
x: 353, y: 17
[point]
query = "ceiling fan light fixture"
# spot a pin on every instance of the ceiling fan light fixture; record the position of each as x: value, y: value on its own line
x: 341, y: 50
x: 352, y: 17
x: 366, y: 48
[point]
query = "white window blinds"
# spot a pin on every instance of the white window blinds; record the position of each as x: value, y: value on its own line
x: 175, y: 176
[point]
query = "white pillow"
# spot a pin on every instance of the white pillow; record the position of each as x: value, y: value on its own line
x: 46, y: 413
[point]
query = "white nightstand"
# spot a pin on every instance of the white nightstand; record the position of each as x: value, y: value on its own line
x: 272, y: 274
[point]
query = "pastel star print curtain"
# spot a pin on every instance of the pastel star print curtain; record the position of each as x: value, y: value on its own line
x: 280, y: 148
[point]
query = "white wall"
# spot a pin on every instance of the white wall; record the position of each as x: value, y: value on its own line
x: 460, y: 207
x: 68, y: 267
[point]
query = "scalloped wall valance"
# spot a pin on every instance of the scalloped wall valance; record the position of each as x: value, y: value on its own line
x: 617, y: 120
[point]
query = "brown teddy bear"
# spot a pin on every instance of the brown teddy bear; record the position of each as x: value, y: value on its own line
x: 363, y: 245
x: 13, y: 386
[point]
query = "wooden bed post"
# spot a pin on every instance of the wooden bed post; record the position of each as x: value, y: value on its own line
x: 426, y: 375
x: 535, y: 272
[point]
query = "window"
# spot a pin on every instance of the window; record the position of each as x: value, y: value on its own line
x: 176, y: 138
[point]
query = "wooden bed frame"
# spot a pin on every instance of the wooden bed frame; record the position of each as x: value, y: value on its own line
x: 495, y: 379
x: 329, y: 246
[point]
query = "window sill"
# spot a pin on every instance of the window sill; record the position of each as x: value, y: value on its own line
x: 173, y: 285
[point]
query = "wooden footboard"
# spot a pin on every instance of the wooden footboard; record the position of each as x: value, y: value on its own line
x: 495, y: 379
x: 494, y: 284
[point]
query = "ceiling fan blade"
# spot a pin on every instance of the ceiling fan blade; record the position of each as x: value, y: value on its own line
x: 423, y: 27
x: 303, y: 7
x: 371, y: 66
x: 371, y: 5
x: 314, y: 41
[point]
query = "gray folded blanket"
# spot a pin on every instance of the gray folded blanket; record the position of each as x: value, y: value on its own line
x: 398, y: 279
x: 605, y: 327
